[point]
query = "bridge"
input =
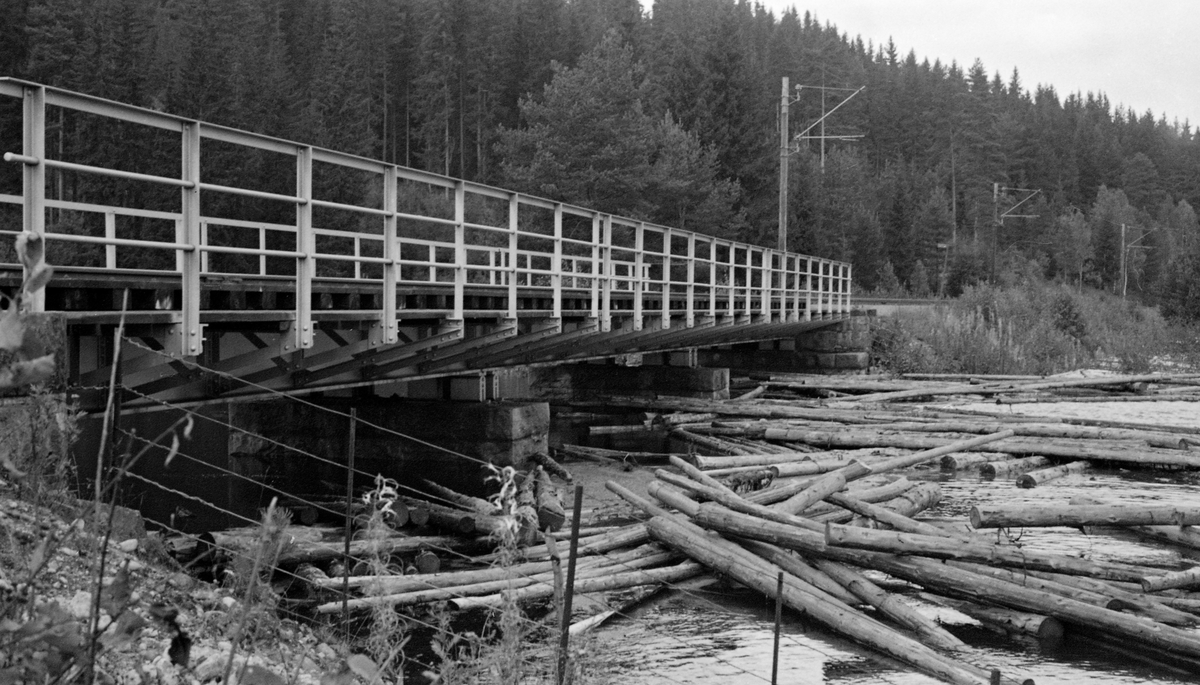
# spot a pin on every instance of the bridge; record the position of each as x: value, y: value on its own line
x: 238, y: 265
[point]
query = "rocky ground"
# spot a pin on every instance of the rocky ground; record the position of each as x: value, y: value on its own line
x: 157, y: 624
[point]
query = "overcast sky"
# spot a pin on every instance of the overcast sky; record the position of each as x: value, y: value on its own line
x: 1144, y: 54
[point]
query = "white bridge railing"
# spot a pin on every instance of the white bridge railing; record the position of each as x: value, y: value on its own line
x: 404, y: 230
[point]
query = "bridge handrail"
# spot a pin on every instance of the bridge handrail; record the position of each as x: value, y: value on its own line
x: 669, y: 272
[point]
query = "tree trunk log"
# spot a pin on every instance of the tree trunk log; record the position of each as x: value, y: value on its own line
x: 726, y: 557
x: 1188, y: 578
x: 995, y: 469
x: 1043, y: 476
x: 1077, y: 515
x: 890, y: 605
x: 947, y: 548
x: 550, y: 511
x: 948, y: 579
x: 1008, y: 621
x: 552, y: 467
x: 1115, y: 451
x: 464, y: 502
x: 823, y: 487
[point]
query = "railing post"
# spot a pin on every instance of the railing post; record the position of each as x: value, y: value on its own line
x: 204, y: 241
x: 826, y: 287
x: 514, y: 218
x: 666, y: 279
x: 386, y: 330
x: 432, y: 264
x: 808, y: 282
x: 110, y: 233
x: 191, y: 340
x: 596, y: 266
x: 606, y: 303
x: 301, y: 337
x: 732, y: 290
x: 556, y: 270
x: 712, y: 278
x: 34, y: 177
x: 460, y: 248
x: 768, y: 283
x: 796, y: 289
x: 262, y: 245
x: 849, y: 286
x: 638, y: 283
x: 690, y: 315
x: 749, y: 268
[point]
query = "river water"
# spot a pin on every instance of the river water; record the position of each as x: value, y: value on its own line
x: 724, y: 635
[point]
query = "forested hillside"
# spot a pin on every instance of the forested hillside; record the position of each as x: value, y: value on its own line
x: 669, y: 115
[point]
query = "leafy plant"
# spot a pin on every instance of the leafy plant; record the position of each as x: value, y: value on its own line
x: 29, y: 364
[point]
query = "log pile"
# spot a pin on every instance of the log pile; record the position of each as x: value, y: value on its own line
x: 822, y: 491
x: 812, y: 525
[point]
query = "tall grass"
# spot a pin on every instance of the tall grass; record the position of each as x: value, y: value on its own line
x: 1035, y: 328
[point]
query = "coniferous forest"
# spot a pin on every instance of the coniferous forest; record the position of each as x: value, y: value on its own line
x: 669, y: 115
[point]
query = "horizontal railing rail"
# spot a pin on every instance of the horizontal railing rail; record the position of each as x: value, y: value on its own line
x: 405, y: 228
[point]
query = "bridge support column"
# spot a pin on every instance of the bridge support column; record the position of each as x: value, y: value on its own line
x: 843, y: 347
x: 595, y: 381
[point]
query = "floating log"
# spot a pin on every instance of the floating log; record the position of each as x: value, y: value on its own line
x: 792, y: 563
x: 729, y: 499
x: 609, y: 455
x: 948, y: 579
x: 550, y: 513
x: 823, y: 487
x: 573, y: 451
x: 889, y: 605
x: 552, y: 467
x: 960, y: 461
x: 751, y: 481
x: 1033, y: 479
x: 318, y: 553
x: 619, y: 430
x: 1087, y: 590
x: 677, y: 418
x: 464, y: 502
x: 1009, y: 621
x: 995, y: 469
x: 1007, y: 387
x: 709, y: 442
x: 901, y: 495
x: 427, y: 562
x: 1187, y: 578
x: 607, y: 583
x: 1077, y: 515
x: 1115, y: 451
x: 447, y: 518
x: 760, y: 460
x: 726, y: 557
x: 912, y: 501
x: 999, y: 555
x: 884, y: 515
x: 592, y: 569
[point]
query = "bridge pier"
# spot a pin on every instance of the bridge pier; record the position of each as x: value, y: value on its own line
x: 632, y: 375
x: 241, y: 454
x: 842, y: 347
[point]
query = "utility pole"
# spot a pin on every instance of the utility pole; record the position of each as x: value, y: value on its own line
x: 786, y: 140
x: 1124, y: 275
x: 998, y: 216
x: 784, y: 151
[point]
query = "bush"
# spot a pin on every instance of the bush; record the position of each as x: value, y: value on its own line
x: 1035, y: 328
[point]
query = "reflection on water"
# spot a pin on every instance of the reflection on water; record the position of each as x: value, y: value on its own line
x: 714, y: 638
